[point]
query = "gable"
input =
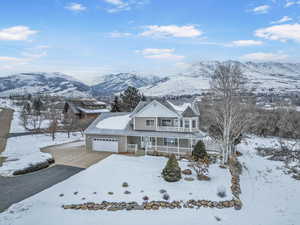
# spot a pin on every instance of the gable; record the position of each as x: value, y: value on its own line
x: 155, y: 109
x: 189, y: 112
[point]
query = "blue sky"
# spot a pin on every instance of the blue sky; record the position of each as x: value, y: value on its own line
x: 89, y: 38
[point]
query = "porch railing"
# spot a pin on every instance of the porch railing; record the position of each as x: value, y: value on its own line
x: 169, y: 149
x: 176, y: 129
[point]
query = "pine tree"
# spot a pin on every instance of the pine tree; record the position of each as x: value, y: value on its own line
x: 115, y: 107
x: 199, y: 151
x: 172, y: 171
x: 130, y: 98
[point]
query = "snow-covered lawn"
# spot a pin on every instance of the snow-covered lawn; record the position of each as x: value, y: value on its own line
x: 269, y: 197
x: 23, y: 151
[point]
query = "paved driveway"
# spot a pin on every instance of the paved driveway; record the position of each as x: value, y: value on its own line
x: 15, y: 189
x: 5, y: 120
x: 74, y: 154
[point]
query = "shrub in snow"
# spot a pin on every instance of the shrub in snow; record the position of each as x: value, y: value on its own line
x: 145, y: 198
x: 199, y: 151
x: 172, y: 171
x: 221, y: 192
x: 127, y: 192
x: 110, y: 193
x: 162, y: 191
x: 201, y: 169
x: 125, y: 184
x: 166, y: 196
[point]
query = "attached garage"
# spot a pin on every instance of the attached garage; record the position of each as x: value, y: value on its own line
x: 105, y: 144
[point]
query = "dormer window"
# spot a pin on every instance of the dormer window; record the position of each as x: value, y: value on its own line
x: 166, y: 123
x: 149, y: 123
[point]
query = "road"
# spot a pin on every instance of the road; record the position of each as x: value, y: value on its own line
x: 15, y: 189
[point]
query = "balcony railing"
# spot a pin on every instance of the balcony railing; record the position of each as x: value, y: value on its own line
x: 176, y: 129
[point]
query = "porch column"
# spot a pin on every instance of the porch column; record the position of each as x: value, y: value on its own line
x: 191, y: 144
x: 155, y: 143
x: 156, y: 123
x: 190, y: 125
x: 178, y: 146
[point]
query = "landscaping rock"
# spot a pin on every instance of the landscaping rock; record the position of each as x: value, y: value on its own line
x: 189, y: 179
x: 61, y: 195
x: 187, y: 172
x: 127, y: 192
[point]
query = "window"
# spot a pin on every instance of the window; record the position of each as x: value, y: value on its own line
x: 186, y: 124
x: 149, y: 123
x: 194, y: 123
x: 166, y: 123
x: 170, y: 141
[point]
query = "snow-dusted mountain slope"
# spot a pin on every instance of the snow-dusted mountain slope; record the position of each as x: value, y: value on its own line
x: 46, y: 83
x: 115, y: 83
x: 261, y: 77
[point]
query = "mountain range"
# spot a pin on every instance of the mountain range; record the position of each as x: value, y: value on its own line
x: 261, y: 78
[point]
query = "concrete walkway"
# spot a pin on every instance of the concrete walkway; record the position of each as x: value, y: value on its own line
x: 15, y: 189
x: 74, y: 154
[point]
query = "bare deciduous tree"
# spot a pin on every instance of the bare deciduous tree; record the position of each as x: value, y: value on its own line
x: 230, y: 116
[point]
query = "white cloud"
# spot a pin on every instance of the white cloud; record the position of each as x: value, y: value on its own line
x: 282, y: 20
x: 291, y: 3
x: 34, y: 55
x: 262, y: 9
x: 282, y: 32
x: 263, y: 56
x: 244, y: 43
x: 149, y: 51
x: 122, y: 5
x: 76, y: 7
x: 160, y: 53
x: 9, y: 59
x: 16, y: 33
x: 117, y: 34
x: 188, y: 31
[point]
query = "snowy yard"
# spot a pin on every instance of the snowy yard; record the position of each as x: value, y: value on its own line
x: 24, y: 151
x: 269, y: 197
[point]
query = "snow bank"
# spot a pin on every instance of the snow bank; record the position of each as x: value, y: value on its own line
x: 24, y: 151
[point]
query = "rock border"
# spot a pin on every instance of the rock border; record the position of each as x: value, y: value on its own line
x: 154, y: 205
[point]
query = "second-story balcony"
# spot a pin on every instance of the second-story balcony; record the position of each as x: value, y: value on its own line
x: 176, y: 129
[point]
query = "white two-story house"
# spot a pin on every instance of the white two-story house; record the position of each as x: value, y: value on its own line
x: 153, y: 126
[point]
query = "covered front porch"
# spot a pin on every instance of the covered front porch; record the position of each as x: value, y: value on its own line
x: 160, y: 144
x: 169, y: 145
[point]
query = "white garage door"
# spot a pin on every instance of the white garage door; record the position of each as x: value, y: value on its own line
x: 105, y: 144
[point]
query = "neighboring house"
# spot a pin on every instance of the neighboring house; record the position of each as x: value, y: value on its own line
x: 152, y: 126
x: 84, y: 108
